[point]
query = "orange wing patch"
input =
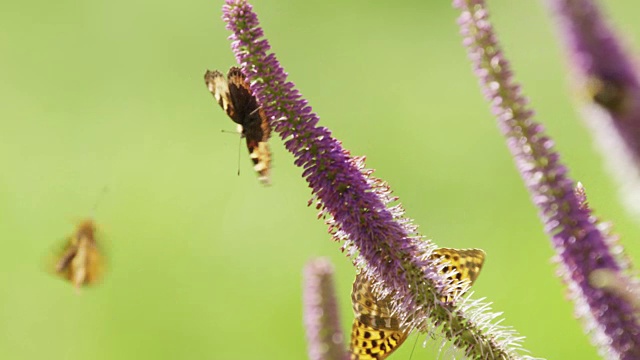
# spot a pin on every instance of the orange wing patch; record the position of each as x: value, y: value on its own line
x: 80, y: 261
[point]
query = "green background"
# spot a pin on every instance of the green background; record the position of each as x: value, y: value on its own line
x: 205, y: 264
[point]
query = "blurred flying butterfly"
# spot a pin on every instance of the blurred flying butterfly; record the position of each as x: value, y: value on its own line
x: 376, y: 333
x: 80, y: 260
x: 235, y: 97
x: 608, y: 93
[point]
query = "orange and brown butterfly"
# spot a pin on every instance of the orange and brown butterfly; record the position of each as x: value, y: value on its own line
x: 376, y: 332
x: 80, y: 259
x: 236, y: 99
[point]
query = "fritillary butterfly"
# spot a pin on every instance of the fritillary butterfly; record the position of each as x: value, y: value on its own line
x: 376, y: 333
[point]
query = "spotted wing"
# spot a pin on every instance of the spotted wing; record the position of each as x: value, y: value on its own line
x: 375, y: 332
x: 467, y: 264
x: 236, y: 99
x: 367, y: 308
x: 369, y: 343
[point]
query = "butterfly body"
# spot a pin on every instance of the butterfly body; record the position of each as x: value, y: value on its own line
x: 80, y: 260
x: 234, y: 95
x: 376, y: 331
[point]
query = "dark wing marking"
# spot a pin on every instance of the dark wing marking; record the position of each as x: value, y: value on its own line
x: 236, y: 99
x: 376, y: 333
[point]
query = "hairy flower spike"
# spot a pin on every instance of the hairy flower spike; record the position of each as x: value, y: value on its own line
x: 322, y: 322
x: 603, y: 69
x: 580, y: 245
x: 357, y: 206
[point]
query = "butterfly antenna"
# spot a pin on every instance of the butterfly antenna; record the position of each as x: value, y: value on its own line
x: 239, y: 143
x: 414, y: 347
x: 239, y: 150
x: 104, y: 191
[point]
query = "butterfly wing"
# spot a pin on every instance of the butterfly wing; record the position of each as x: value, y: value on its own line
x: 367, y: 308
x: 375, y: 332
x: 236, y: 99
x: 58, y: 259
x: 80, y: 260
x: 369, y: 343
x: 88, y: 264
x: 219, y: 88
x: 466, y: 262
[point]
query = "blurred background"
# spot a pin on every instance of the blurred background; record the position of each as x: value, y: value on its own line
x: 206, y: 264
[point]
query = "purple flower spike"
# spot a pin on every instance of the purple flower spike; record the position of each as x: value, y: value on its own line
x: 617, y: 284
x: 603, y: 68
x: 321, y: 319
x: 358, y: 207
x: 580, y: 245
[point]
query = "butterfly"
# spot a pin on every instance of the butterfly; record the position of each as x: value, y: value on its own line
x: 376, y: 333
x: 608, y: 93
x: 80, y: 260
x: 235, y: 97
